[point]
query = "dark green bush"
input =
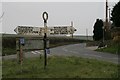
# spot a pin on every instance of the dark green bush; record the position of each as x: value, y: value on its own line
x: 8, y: 45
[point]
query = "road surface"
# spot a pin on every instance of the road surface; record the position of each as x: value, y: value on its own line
x: 78, y: 50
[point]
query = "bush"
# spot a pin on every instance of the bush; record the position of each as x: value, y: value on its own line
x: 8, y: 45
x: 8, y: 42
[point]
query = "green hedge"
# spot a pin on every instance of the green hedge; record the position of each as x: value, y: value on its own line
x: 9, y: 43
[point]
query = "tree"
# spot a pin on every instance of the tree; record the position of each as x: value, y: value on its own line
x: 116, y: 15
x: 98, y: 31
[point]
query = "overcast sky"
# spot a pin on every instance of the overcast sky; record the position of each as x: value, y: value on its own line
x: 83, y: 14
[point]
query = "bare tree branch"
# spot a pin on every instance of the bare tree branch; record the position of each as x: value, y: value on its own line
x: 2, y: 15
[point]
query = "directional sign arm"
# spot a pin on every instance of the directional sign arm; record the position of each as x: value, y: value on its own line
x: 16, y: 30
x: 55, y: 30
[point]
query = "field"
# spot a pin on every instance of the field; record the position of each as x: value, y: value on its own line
x: 59, y: 67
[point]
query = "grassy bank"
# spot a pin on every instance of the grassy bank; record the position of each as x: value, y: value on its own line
x: 59, y: 67
x: 114, y: 49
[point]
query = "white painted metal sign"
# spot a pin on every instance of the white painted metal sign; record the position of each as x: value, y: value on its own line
x: 53, y: 30
x: 62, y: 30
x: 29, y: 30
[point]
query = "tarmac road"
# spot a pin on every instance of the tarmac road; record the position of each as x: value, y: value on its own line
x: 78, y: 50
x: 81, y: 51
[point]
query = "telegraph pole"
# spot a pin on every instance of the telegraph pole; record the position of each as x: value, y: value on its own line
x: 103, y: 34
x: 106, y: 27
x: 45, y: 18
x: 86, y: 34
x: 106, y: 19
x: 72, y: 27
x: 109, y: 14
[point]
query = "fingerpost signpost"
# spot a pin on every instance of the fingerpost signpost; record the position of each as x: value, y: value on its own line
x: 30, y: 38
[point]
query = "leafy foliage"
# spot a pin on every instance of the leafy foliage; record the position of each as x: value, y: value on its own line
x: 98, y: 31
x: 116, y: 15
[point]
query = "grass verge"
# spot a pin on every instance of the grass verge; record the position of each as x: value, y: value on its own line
x: 110, y: 49
x: 59, y: 67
